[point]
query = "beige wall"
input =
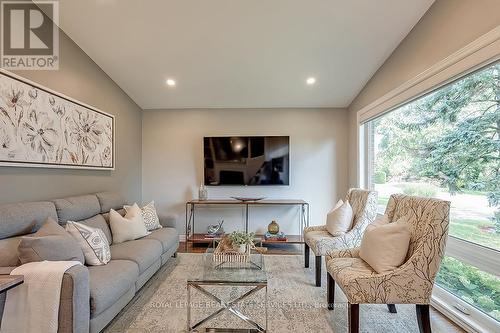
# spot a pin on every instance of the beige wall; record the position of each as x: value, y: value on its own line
x: 448, y: 26
x: 80, y: 78
x: 173, y: 161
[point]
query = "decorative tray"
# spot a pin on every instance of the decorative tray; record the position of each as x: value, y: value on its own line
x: 244, y: 199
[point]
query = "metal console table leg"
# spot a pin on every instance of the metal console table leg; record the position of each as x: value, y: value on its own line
x: 189, y: 227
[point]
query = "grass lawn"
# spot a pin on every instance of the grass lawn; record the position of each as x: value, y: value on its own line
x: 383, y: 201
x: 477, y: 231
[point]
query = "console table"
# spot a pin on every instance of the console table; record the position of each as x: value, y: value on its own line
x: 193, y: 237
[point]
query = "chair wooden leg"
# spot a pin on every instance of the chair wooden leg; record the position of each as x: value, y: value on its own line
x: 392, y: 308
x: 353, y: 317
x: 306, y: 255
x: 318, y: 271
x: 423, y: 318
x: 330, y: 289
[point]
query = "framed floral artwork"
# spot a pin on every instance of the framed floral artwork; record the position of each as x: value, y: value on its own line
x: 42, y: 128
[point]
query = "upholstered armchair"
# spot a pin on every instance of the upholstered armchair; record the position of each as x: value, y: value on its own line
x: 317, y: 238
x: 410, y: 283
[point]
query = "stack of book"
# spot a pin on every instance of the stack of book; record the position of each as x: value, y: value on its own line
x: 217, y: 235
x: 280, y: 236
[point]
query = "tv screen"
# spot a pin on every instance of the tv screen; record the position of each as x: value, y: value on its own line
x: 247, y: 160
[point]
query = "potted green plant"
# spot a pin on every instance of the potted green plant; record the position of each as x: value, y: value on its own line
x: 241, y: 240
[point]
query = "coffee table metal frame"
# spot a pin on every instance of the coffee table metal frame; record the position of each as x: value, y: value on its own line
x: 229, y: 306
x: 199, y: 283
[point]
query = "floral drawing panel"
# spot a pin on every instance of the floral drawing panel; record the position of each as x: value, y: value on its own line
x: 42, y: 128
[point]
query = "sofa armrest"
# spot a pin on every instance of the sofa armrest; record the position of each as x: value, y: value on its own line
x: 168, y: 220
x: 74, y: 306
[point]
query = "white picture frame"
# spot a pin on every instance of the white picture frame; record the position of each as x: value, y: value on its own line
x: 42, y: 128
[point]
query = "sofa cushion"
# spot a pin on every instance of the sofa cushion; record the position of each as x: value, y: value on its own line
x: 8, y: 251
x: 168, y: 237
x: 110, y: 200
x: 24, y: 218
x: 109, y: 282
x: 144, y: 252
x: 98, y: 221
x: 77, y: 208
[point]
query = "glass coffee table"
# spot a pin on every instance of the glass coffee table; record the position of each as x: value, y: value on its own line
x: 251, y: 274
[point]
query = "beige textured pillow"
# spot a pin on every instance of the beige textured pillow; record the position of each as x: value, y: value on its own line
x: 339, y: 220
x: 128, y: 227
x: 384, y: 247
x: 51, y: 242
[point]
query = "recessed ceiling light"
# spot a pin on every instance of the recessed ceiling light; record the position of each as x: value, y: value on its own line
x: 311, y: 80
x: 170, y: 82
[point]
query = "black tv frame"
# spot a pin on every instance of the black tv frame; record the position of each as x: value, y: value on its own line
x: 245, y: 185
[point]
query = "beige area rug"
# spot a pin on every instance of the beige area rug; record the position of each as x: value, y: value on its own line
x: 294, y: 303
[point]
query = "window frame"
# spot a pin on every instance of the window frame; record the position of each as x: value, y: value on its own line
x: 479, y: 54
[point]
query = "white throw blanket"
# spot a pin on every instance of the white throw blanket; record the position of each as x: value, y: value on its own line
x: 33, y: 307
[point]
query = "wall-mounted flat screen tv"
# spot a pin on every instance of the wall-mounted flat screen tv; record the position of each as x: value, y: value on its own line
x: 247, y: 160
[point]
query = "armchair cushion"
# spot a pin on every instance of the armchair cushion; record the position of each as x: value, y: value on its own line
x: 384, y: 247
x: 346, y: 253
x: 348, y: 270
x: 339, y: 219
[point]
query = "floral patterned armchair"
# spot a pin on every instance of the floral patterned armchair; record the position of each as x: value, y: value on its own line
x: 412, y: 282
x: 317, y: 238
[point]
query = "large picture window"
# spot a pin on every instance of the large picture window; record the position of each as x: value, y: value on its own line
x: 446, y: 144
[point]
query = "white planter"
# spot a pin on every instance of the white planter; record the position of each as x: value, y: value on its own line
x: 240, y: 248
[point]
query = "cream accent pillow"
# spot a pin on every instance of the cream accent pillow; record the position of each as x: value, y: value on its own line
x: 128, y: 227
x: 339, y: 219
x: 92, y: 241
x: 384, y: 247
x: 149, y: 215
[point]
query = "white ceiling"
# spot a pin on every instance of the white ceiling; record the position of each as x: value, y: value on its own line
x: 240, y: 53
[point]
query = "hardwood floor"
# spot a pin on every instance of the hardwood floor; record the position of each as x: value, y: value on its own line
x: 439, y: 323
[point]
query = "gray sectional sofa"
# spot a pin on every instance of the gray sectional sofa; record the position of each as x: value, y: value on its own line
x: 91, y: 296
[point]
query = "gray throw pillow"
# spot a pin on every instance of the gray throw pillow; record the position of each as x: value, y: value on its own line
x: 51, y: 242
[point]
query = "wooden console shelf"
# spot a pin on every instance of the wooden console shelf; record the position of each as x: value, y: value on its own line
x: 291, y: 239
x: 193, y: 237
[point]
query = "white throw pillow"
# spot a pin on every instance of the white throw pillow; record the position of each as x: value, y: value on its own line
x: 339, y: 219
x: 384, y: 247
x: 128, y: 227
x: 149, y: 215
x: 93, y: 242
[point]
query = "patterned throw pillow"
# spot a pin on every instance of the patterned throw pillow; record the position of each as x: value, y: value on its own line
x: 92, y: 241
x: 149, y: 215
